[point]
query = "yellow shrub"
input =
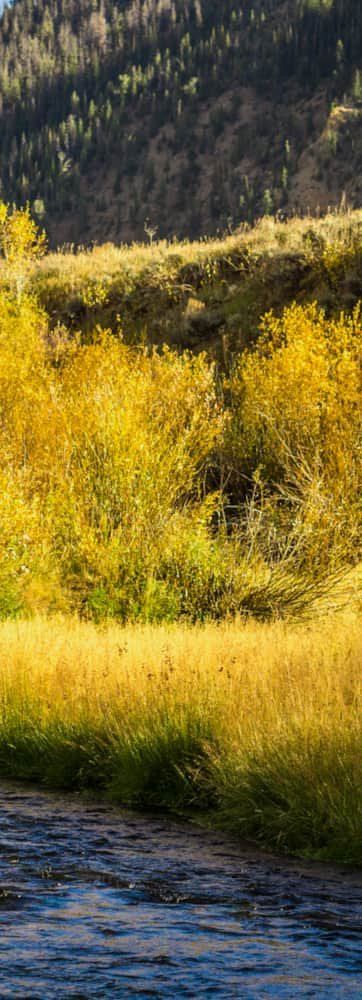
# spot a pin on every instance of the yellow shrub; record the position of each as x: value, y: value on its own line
x: 110, y: 443
x: 21, y: 244
x: 22, y: 372
x: 137, y: 431
x: 105, y: 499
x: 297, y: 412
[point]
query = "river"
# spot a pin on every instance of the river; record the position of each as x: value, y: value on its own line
x: 101, y: 903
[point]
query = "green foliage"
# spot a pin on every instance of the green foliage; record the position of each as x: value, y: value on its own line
x: 276, y: 794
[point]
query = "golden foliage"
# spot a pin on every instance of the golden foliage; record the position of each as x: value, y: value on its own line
x: 138, y: 429
x: 111, y: 443
x: 297, y: 413
x: 21, y: 244
x: 109, y: 458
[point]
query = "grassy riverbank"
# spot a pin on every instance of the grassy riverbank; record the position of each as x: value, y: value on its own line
x: 164, y: 491
x: 254, y: 728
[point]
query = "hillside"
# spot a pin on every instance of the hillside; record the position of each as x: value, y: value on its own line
x: 206, y: 295
x: 184, y: 116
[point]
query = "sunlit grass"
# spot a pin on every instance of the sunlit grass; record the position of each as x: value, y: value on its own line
x: 270, y: 235
x: 149, y: 292
x: 257, y: 726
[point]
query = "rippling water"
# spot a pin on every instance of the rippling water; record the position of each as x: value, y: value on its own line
x: 98, y: 903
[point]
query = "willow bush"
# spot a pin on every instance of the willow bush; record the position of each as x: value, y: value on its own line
x: 109, y: 445
x: 110, y: 502
x: 138, y: 430
x: 294, y: 441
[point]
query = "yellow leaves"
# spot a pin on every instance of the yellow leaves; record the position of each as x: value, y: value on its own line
x: 297, y: 413
x: 3, y: 215
x: 111, y: 443
x: 21, y: 244
x: 141, y: 412
x: 94, y: 294
x: 20, y: 238
x: 22, y: 366
x: 304, y: 377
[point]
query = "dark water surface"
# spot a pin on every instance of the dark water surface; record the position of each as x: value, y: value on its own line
x: 100, y: 903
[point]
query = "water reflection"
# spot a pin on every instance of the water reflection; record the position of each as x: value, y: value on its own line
x: 100, y: 904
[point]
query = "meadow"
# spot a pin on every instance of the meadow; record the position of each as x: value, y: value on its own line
x: 180, y: 538
x: 253, y: 728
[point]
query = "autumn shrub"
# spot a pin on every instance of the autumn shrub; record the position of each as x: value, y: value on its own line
x: 104, y: 453
x: 21, y: 245
x: 106, y: 505
x: 138, y: 430
x: 111, y: 501
x: 294, y: 442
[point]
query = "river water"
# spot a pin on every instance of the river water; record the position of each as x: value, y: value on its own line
x: 95, y: 902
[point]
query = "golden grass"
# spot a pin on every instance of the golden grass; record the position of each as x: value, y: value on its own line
x: 254, y: 674
x: 268, y: 236
x: 261, y: 723
x: 143, y: 290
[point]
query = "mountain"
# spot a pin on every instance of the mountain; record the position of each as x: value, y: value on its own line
x: 182, y: 116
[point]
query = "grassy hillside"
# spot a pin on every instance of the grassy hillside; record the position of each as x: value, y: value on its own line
x: 210, y: 294
x: 186, y: 113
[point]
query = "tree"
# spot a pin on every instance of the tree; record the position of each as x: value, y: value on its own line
x: 21, y: 243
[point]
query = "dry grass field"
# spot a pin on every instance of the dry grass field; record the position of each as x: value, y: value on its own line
x: 255, y: 728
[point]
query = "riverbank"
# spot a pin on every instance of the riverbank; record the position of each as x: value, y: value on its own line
x: 255, y: 729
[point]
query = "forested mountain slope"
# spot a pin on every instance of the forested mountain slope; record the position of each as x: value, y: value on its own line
x: 191, y: 114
